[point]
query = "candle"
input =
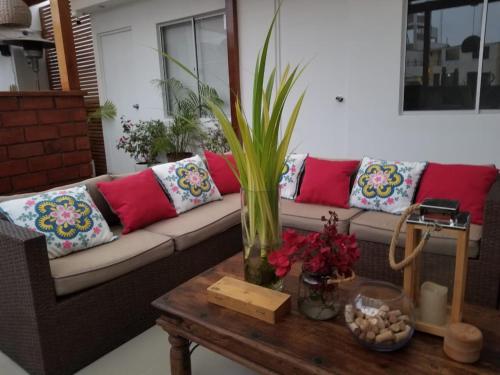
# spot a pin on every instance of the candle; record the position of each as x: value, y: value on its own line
x: 433, y: 303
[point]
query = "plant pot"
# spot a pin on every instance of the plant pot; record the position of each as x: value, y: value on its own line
x: 261, y: 226
x: 176, y: 156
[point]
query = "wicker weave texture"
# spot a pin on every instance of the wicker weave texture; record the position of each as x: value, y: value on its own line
x: 50, y: 336
x: 14, y: 13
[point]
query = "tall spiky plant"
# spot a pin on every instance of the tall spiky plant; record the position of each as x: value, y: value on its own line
x: 260, y: 156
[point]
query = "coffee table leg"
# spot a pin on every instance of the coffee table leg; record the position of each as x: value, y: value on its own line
x: 180, y: 359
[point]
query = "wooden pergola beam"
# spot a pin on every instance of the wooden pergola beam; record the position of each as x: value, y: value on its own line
x: 233, y: 56
x: 65, y: 44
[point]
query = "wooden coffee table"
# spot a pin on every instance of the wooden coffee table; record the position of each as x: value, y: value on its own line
x: 297, y: 345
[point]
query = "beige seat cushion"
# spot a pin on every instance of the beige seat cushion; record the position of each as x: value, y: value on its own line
x: 198, y: 224
x: 90, y: 267
x: 307, y: 216
x: 379, y: 227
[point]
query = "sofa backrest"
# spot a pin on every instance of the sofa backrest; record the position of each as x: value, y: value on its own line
x: 91, y: 185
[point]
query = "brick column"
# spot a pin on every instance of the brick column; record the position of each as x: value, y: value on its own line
x: 43, y: 140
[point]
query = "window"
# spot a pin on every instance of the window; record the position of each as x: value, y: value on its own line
x: 444, y: 41
x: 200, y: 43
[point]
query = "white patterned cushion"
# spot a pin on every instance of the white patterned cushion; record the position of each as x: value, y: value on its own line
x: 290, y: 177
x: 68, y: 218
x: 187, y: 182
x: 388, y: 186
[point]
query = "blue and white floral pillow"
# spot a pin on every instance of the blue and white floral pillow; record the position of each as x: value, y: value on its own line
x: 388, y: 186
x: 290, y: 178
x: 187, y: 182
x: 69, y: 219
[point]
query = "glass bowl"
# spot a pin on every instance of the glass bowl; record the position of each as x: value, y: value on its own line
x: 380, y: 316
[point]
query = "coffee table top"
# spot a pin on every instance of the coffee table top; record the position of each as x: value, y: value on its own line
x: 297, y: 345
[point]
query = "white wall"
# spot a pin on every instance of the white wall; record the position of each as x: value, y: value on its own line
x: 354, y: 50
x: 374, y: 124
x: 142, y: 18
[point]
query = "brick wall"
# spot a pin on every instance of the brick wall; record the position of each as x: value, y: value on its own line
x: 43, y: 140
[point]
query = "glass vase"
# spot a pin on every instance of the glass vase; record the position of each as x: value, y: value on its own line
x: 380, y: 316
x: 261, y: 227
x: 318, y: 299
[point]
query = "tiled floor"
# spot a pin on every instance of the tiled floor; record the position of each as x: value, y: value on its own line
x: 147, y: 354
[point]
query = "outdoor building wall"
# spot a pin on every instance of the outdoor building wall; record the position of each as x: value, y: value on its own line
x: 135, y: 63
x: 43, y: 140
x: 353, y: 49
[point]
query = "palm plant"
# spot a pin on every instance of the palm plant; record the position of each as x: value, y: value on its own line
x: 185, y: 132
x: 260, y: 155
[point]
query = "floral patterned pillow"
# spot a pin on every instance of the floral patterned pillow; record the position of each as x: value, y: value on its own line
x: 386, y: 185
x: 69, y: 219
x: 290, y: 178
x: 188, y: 183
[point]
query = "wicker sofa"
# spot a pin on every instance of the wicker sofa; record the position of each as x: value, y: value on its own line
x: 374, y: 233
x: 58, y: 316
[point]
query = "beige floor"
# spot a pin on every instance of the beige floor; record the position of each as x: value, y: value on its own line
x: 147, y: 354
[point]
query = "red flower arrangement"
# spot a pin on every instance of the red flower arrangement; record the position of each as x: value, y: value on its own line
x: 321, y: 252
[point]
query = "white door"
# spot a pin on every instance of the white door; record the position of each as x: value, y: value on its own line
x: 316, y: 33
x: 117, y: 84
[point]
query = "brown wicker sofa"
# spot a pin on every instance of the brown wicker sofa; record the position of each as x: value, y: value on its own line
x: 374, y: 232
x: 54, y: 323
x: 58, y: 316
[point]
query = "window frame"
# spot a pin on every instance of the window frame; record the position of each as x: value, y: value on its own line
x: 476, y: 110
x: 161, y: 44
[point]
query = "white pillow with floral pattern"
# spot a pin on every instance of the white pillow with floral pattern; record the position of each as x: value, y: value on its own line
x: 290, y: 178
x: 68, y: 218
x: 187, y: 182
x: 388, y: 186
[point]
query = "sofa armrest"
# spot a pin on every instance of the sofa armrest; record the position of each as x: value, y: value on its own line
x: 490, y: 242
x: 25, y: 276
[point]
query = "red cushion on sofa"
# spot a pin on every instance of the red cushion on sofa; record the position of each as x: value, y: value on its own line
x: 327, y: 182
x: 221, y: 173
x: 469, y: 184
x: 138, y: 200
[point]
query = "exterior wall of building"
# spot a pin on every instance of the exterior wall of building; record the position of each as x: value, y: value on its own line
x: 353, y: 49
x: 43, y: 140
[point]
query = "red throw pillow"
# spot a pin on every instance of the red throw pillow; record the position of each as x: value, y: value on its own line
x: 221, y: 173
x: 138, y: 200
x: 469, y: 184
x: 327, y: 182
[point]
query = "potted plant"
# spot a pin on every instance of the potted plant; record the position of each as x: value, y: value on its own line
x: 327, y: 260
x: 143, y: 141
x: 260, y: 152
x: 184, y: 133
x: 215, y: 140
x: 260, y: 158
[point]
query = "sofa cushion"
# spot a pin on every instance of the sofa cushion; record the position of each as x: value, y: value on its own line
x: 69, y: 219
x: 91, y: 185
x: 192, y: 227
x: 291, y: 175
x: 187, y: 182
x: 327, y: 182
x: 91, y: 267
x: 383, y: 185
x: 379, y: 227
x: 219, y: 167
x: 138, y: 200
x: 469, y: 184
x: 307, y: 216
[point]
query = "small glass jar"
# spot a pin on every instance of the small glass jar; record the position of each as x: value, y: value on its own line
x: 318, y: 299
x: 380, y: 316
